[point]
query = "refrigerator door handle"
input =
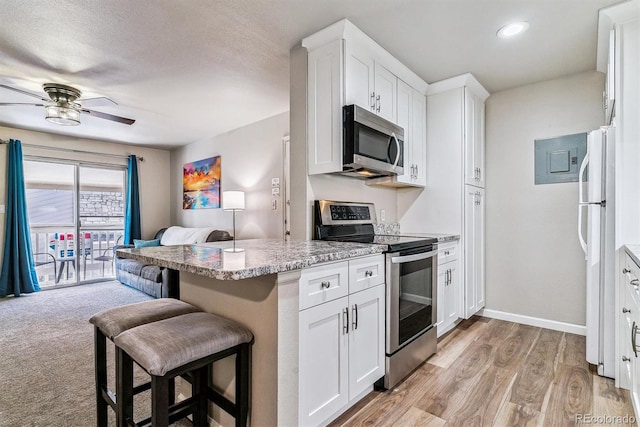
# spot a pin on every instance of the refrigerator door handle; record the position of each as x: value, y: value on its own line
x: 583, y: 166
x: 583, y: 242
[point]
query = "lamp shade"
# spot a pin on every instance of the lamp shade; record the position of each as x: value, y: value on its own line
x: 232, y: 200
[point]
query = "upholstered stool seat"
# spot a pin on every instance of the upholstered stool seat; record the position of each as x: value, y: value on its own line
x: 186, y: 344
x: 109, y: 324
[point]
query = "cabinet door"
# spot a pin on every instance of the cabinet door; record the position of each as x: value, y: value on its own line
x: 473, y: 250
x: 405, y: 93
x: 479, y: 239
x: 366, y: 339
x: 451, y: 294
x: 323, y: 361
x: 386, y: 89
x: 359, y: 77
x: 418, y: 142
x: 324, y: 109
x: 473, y: 139
x: 610, y: 82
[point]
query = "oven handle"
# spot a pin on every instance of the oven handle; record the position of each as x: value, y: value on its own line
x: 415, y: 257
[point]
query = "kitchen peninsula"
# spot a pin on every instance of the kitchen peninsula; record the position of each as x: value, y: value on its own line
x: 265, y: 287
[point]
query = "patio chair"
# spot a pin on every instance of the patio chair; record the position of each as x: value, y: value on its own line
x: 107, y: 254
x: 44, y: 258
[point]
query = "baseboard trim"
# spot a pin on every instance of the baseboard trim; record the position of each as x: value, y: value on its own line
x: 534, y: 321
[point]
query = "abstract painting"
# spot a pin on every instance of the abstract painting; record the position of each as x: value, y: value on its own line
x: 201, y: 184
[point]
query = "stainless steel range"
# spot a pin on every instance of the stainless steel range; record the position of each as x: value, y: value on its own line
x: 411, y: 273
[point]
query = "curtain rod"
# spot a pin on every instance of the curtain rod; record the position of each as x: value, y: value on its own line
x: 71, y: 150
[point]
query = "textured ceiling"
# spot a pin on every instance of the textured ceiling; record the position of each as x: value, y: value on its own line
x: 188, y: 70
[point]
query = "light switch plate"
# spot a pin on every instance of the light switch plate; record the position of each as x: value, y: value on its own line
x: 2, y: 209
x: 274, y: 204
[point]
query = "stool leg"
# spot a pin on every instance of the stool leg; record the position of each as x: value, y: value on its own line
x: 100, y: 351
x: 159, y: 401
x: 124, y: 388
x: 243, y: 384
x: 199, y: 391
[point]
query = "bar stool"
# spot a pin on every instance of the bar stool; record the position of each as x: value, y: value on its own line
x: 109, y: 324
x: 185, y: 345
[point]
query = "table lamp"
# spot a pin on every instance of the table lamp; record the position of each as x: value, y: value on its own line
x: 233, y: 201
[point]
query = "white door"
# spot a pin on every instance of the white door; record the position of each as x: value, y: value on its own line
x: 359, y: 77
x: 366, y: 339
x: 474, y: 298
x: 478, y: 139
x: 451, y: 295
x: 386, y: 88
x: 324, y: 361
x: 479, y: 239
x: 441, y: 297
x: 404, y: 121
x: 418, y: 141
x: 470, y: 167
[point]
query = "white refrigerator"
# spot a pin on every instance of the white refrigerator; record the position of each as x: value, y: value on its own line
x: 596, y: 217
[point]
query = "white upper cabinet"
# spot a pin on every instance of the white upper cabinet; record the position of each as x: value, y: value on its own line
x: 386, y: 91
x: 474, y: 139
x: 347, y: 67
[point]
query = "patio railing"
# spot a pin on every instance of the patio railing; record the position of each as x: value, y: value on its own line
x: 60, y: 260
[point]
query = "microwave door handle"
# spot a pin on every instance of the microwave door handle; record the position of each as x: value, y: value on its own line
x: 395, y: 163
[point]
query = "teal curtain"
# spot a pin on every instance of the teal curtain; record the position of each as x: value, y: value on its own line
x: 132, y: 211
x: 18, y: 273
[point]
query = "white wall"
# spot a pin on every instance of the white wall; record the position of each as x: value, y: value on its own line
x: 534, y: 263
x: 251, y: 156
x: 153, y: 176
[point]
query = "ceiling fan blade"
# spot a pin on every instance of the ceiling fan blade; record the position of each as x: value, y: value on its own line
x: 25, y: 92
x: 20, y: 103
x: 101, y: 101
x: 111, y: 117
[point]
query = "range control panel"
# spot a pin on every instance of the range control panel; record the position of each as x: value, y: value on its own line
x: 346, y: 213
x: 343, y: 213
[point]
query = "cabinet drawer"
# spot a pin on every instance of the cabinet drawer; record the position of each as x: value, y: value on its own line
x: 447, y: 252
x: 366, y: 272
x: 323, y: 283
x: 631, y: 277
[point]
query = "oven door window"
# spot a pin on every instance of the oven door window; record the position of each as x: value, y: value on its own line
x: 416, y: 308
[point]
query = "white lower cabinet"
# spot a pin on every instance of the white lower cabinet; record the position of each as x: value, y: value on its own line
x: 629, y: 328
x: 473, y: 250
x: 448, y: 294
x: 341, y: 352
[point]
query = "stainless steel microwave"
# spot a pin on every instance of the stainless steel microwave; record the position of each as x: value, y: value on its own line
x: 372, y: 146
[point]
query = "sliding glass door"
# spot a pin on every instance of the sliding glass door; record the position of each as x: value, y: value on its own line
x: 76, y: 214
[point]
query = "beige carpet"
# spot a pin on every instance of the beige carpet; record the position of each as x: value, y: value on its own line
x: 46, y: 356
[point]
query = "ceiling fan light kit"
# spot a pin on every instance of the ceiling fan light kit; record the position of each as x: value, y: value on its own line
x: 62, y: 115
x: 61, y: 108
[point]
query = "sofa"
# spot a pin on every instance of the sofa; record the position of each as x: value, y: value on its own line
x: 160, y: 282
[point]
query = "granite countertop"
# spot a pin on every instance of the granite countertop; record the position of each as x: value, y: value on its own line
x: 260, y: 256
x: 634, y: 252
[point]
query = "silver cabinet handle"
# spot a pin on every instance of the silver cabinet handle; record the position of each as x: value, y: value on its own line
x: 634, y: 332
x: 368, y: 273
x: 625, y: 310
x: 635, y: 282
x: 446, y: 252
x: 479, y: 174
x: 625, y: 270
x: 626, y: 359
x: 326, y: 285
x: 355, y: 316
x: 373, y: 101
x: 378, y: 104
x: 345, y: 318
x: 417, y: 172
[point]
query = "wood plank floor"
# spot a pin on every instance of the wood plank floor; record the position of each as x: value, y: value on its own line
x: 489, y: 372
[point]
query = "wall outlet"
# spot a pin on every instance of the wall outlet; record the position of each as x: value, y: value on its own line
x: 275, y: 182
x: 2, y: 209
x: 382, y: 215
x: 275, y: 191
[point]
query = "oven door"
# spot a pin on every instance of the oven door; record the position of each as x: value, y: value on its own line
x: 411, y: 295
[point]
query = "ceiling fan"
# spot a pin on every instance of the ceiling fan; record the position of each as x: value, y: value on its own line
x: 64, y: 106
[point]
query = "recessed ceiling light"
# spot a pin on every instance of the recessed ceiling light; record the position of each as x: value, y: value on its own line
x: 512, y: 29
